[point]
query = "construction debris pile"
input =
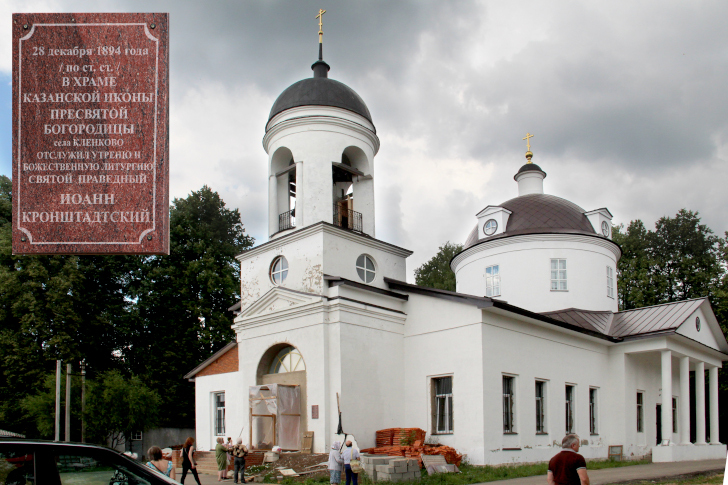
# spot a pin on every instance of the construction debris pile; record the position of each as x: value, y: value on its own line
x: 410, y: 443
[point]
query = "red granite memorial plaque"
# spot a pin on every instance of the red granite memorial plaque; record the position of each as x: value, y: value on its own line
x: 90, y: 133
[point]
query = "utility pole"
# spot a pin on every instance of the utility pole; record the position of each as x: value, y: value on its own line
x: 58, y: 400
x: 83, y: 401
x: 68, y: 403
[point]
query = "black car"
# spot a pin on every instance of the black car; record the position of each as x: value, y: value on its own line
x: 53, y: 463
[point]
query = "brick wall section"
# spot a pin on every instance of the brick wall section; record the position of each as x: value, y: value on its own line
x: 227, y: 362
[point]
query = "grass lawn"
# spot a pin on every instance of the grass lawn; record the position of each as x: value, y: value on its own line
x: 702, y: 479
x: 477, y: 474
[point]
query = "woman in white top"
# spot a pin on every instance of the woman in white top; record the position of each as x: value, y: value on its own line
x: 350, y: 453
x: 335, y: 463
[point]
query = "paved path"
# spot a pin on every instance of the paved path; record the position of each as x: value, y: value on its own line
x: 636, y: 472
x: 596, y: 477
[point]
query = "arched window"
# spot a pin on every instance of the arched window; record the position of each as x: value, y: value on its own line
x: 289, y: 359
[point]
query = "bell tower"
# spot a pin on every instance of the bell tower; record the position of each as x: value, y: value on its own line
x: 321, y: 144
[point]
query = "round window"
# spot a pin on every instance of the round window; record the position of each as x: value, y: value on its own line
x: 490, y: 227
x: 279, y: 270
x: 365, y: 268
x: 697, y: 323
x: 605, y: 228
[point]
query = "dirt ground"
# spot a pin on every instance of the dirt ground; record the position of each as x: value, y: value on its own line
x: 300, y: 462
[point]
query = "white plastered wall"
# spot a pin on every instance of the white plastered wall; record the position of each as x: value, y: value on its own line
x: 236, y: 402
x: 443, y: 339
x: 530, y: 352
x: 311, y: 254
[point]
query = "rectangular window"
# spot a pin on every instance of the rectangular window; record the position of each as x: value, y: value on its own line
x: 593, y: 411
x: 136, y: 436
x: 508, y: 403
x: 569, y: 409
x: 219, y: 398
x: 492, y: 281
x: 640, y: 413
x: 540, y: 407
x: 558, y: 275
x: 674, y: 415
x: 442, y: 405
x: 610, y: 282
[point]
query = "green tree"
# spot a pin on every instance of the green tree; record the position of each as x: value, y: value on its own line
x: 685, y: 253
x: 436, y: 273
x: 54, y: 307
x: 116, y: 406
x: 182, y: 300
x: 637, y: 285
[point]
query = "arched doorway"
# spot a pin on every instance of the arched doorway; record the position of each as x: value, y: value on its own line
x: 283, y: 364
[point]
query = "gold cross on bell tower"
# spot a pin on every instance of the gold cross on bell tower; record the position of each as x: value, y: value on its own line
x: 529, y: 155
x: 320, y: 16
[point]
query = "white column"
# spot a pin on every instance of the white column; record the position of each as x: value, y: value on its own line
x: 713, y: 390
x: 684, y: 409
x: 700, y: 403
x: 299, y: 194
x: 667, y: 395
x: 272, y: 205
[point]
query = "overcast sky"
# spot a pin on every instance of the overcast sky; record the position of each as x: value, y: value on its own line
x: 627, y: 102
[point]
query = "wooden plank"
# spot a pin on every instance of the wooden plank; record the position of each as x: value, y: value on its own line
x: 307, y: 442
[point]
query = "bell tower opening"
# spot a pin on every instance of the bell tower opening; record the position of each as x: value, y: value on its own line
x: 348, y: 177
x: 283, y: 183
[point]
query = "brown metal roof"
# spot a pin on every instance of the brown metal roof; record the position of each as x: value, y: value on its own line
x: 540, y: 214
x: 658, y: 318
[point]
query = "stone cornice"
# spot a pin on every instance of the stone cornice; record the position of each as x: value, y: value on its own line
x: 309, y: 119
x: 526, y: 238
x: 323, y: 227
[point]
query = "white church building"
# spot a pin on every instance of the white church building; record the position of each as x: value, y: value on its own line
x: 530, y: 347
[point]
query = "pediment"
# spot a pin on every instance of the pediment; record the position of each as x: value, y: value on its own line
x: 276, y: 300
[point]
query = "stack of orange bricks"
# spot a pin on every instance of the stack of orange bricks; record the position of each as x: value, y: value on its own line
x: 389, y: 442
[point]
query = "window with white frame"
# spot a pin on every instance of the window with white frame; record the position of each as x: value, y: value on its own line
x: 540, y: 407
x: 610, y: 282
x: 219, y: 400
x: 640, y: 412
x: 558, y: 275
x: 593, y: 411
x: 279, y: 270
x: 569, y: 409
x: 137, y: 436
x: 442, y: 422
x: 492, y: 281
x: 509, y: 425
x: 365, y: 268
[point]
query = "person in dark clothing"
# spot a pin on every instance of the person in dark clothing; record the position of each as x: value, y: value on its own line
x: 568, y: 467
x: 188, y: 462
x: 239, y: 451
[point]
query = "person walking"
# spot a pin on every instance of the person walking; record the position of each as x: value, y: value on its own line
x: 221, y: 459
x: 156, y: 462
x: 568, y: 467
x: 335, y: 463
x: 188, y: 462
x: 349, y: 454
x: 239, y: 452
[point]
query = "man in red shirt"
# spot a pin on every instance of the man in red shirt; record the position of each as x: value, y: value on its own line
x: 568, y: 467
